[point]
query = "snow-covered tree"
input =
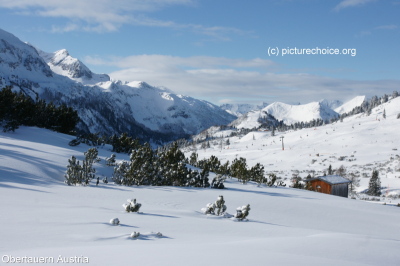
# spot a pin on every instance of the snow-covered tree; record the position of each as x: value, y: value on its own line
x: 238, y: 169
x: 216, y: 208
x: 110, y: 161
x: 242, y: 212
x: 73, y: 174
x: 132, y: 206
x: 209, y: 209
x: 114, y: 221
x: 218, y: 182
x: 220, y: 206
x: 193, y: 159
x: 257, y: 173
x: 91, y: 157
x: 120, y: 171
x: 271, y: 180
x: 135, y: 234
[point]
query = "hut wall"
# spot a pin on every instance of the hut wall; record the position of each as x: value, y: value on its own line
x: 325, y: 187
x: 340, y: 190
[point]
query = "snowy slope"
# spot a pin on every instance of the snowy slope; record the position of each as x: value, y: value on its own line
x: 42, y: 217
x: 360, y: 143
x: 350, y: 105
x: 107, y: 107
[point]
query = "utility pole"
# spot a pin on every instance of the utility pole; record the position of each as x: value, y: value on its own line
x: 283, y: 146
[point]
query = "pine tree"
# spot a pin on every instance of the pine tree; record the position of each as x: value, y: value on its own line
x: 120, y: 171
x: 110, y: 161
x: 73, y: 174
x: 257, y: 173
x: 330, y: 171
x: 193, y: 159
x: 272, y: 179
x: 374, y: 188
x: 91, y: 157
x: 238, y: 169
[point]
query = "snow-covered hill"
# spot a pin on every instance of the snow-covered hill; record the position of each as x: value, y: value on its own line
x: 107, y: 107
x: 360, y: 143
x: 287, y: 113
x: 44, y: 218
x: 290, y: 114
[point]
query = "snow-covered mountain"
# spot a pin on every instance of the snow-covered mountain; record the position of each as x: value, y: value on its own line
x: 63, y: 64
x: 332, y: 104
x: 108, y: 106
x: 240, y: 109
x: 287, y: 113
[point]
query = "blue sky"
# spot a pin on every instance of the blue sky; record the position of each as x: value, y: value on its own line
x: 218, y: 50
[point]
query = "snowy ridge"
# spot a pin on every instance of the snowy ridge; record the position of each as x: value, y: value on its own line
x: 291, y: 114
x: 287, y: 113
x: 240, y: 109
x: 109, y: 107
x: 350, y: 105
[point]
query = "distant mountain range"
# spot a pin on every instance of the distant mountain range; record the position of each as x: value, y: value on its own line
x: 104, y: 106
x: 240, y: 109
x: 147, y: 112
x: 290, y: 114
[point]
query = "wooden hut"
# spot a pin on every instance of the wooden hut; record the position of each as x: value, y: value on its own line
x: 331, y: 184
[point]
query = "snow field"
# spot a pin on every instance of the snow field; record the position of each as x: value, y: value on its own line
x: 44, y: 217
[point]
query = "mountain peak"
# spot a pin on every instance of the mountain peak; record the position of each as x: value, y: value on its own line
x: 62, y: 63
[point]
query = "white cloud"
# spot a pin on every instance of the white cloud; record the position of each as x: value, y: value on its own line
x: 110, y: 15
x: 387, y: 27
x: 351, y: 3
x: 219, y: 79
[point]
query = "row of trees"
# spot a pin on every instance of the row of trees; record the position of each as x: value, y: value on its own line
x: 166, y: 166
x: 18, y: 109
x: 238, y: 168
x: 163, y: 167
